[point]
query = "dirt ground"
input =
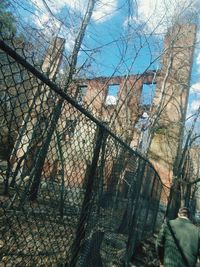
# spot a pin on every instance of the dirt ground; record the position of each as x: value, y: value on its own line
x: 145, y: 254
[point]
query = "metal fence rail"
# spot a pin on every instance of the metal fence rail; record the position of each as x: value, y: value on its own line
x: 71, y: 192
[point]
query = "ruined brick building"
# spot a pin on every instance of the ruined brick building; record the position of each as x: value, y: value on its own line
x: 167, y: 110
x: 154, y: 128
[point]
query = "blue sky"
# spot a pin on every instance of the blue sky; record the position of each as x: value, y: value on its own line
x: 126, y: 34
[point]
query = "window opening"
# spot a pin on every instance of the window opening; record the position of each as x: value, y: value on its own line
x: 81, y: 93
x: 112, y: 94
x: 147, y: 95
x: 69, y: 129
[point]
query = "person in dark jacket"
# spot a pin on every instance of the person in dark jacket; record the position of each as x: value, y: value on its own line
x: 187, y: 236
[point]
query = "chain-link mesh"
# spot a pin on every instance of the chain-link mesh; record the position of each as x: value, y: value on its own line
x: 71, y: 192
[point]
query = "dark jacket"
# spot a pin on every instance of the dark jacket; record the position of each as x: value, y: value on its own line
x: 188, y: 236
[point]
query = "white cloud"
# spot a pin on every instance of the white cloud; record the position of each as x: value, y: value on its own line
x: 192, y: 109
x: 158, y: 15
x: 195, y: 88
x: 111, y: 100
x: 198, y: 62
x: 42, y: 18
x: 50, y: 24
x: 57, y: 5
x: 198, y: 59
x: 78, y: 5
x: 104, y: 10
x: 38, y: 4
x: 194, y: 105
x: 45, y: 20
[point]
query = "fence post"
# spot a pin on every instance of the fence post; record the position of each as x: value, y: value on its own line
x: 148, y: 204
x: 159, y: 191
x: 131, y: 240
x: 86, y: 206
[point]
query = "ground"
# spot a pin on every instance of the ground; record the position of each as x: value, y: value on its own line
x: 145, y: 254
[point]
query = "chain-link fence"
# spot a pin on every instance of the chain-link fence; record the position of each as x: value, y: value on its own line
x: 71, y: 192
